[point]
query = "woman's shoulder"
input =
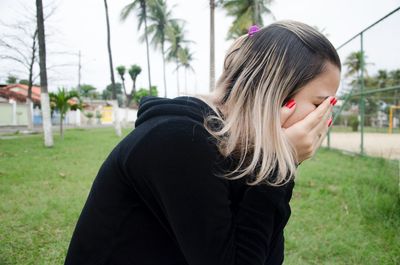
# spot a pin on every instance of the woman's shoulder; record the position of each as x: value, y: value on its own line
x: 173, y: 120
x: 180, y: 131
x: 170, y: 136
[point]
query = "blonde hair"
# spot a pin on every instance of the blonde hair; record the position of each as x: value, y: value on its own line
x: 260, y: 74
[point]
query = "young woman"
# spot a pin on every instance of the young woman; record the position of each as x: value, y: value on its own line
x: 204, y: 181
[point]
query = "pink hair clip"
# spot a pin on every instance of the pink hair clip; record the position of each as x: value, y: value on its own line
x: 252, y: 30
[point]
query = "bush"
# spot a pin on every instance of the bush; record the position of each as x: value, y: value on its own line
x: 89, y: 115
x: 98, y: 117
x: 144, y: 92
x: 353, y: 121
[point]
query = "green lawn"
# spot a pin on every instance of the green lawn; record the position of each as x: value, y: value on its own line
x: 345, y: 210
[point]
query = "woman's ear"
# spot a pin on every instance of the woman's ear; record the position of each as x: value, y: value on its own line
x: 287, y: 110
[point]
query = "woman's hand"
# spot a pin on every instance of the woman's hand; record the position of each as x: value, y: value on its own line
x: 307, y: 134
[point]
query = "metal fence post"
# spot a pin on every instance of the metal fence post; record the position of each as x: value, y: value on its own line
x: 329, y: 139
x: 362, y: 107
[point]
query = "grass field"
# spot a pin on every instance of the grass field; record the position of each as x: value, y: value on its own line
x: 345, y: 210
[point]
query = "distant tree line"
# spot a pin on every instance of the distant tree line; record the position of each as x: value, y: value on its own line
x: 383, y: 78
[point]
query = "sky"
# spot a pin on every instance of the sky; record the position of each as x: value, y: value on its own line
x: 80, y: 26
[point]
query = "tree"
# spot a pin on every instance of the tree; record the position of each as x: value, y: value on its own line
x: 382, y: 78
x: 23, y: 82
x: 160, y: 18
x: 44, y: 96
x: 185, y: 58
x: 212, y: 46
x: 87, y: 91
x: 121, y: 72
x: 176, y: 38
x: 144, y: 92
x: 394, y: 77
x: 114, y: 92
x: 389, y: 79
x: 134, y: 71
x: 353, y: 71
x: 353, y: 64
x: 17, y: 49
x: 141, y: 6
x: 11, y: 79
x: 378, y: 100
x: 245, y: 13
x: 19, y: 42
x: 107, y: 93
x: 62, y: 101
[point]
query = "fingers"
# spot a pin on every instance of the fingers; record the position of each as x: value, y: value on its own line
x: 320, y: 135
x: 320, y: 114
x: 307, y: 135
x: 322, y: 125
x: 287, y: 111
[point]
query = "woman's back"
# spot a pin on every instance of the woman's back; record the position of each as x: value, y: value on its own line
x: 156, y: 199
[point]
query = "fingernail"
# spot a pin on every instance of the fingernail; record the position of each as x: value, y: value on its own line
x: 290, y: 103
x: 333, y: 101
x: 330, y: 122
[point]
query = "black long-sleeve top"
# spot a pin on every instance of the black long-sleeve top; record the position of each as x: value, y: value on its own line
x: 156, y: 199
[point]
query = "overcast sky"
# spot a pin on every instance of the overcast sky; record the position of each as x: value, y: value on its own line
x: 80, y: 26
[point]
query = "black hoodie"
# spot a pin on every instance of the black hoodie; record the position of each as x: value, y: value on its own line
x: 156, y: 199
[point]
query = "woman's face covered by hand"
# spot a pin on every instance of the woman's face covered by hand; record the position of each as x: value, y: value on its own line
x: 314, y: 93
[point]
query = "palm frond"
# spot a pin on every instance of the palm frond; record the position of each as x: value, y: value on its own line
x: 245, y: 14
x: 127, y: 10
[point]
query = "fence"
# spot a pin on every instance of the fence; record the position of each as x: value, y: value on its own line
x: 16, y: 114
x: 367, y: 115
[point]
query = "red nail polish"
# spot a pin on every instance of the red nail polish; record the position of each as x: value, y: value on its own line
x: 330, y: 122
x: 290, y: 103
x: 333, y: 101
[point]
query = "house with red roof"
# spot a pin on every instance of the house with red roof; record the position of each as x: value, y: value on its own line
x: 19, y: 93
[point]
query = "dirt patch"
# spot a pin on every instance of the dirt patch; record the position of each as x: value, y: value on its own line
x: 375, y: 144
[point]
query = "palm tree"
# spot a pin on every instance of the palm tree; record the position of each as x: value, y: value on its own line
x: 160, y: 18
x: 44, y: 95
x: 62, y: 101
x: 353, y: 64
x: 383, y: 78
x: 114, y: 90
x: 121, y: 72
x: 142, y: 15
x: 245, y: 14
x: 109, y: 51
x: 176, y: 37
x: 185, y: 58
x: 394, y: 77
x: 134, y: 71
x: 212, y: 46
